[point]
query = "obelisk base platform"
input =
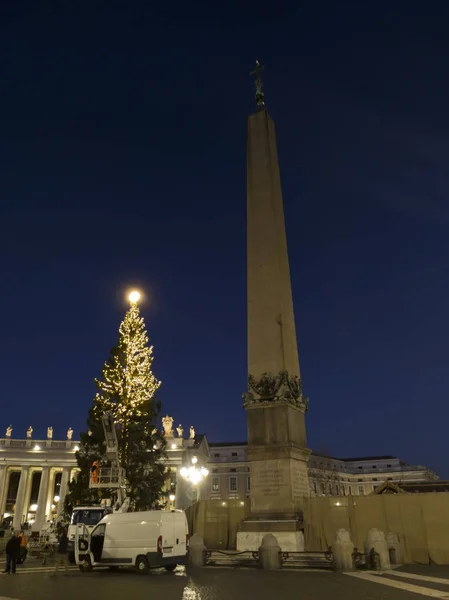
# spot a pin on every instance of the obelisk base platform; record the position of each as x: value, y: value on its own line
x: 288, y: 532
x: 278, y: 487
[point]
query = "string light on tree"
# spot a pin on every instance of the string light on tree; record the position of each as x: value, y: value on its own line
x: 127, y: 374
x: 126, y: 389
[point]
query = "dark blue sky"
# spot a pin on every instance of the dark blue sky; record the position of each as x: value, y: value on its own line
x: 122, y: 163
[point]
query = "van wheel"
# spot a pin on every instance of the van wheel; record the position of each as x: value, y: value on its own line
x: 142, y: 566
x: 170, y: 567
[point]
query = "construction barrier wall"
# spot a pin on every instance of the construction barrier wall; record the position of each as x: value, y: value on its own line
x: 217, y: 521
x: 421, y: 520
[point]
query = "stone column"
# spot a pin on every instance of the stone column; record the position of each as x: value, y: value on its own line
x: 20, y: 499
x: 27, y: 496
x: 3, y: 479
x: 375, y: 540
x: 270, y: 554
x: 342, y: 549
x: 197, y: 551
x: 63, y: 489
x: 42, y: 500
x: 50, y: 493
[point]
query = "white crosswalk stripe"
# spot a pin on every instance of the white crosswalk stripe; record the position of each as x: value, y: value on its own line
x: 421, y: 577
x: 384, y: 579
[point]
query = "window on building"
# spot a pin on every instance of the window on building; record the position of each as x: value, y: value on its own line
x: 248, y: 483
x: 375, y: 487
x: 360, y: 467
x: 361, y: 490
x: 374, y: 478
x: 360, y: 480
x: 214, y: 470
x: 390, y: 478
x: 374, y: 466
x: 234, y: 454
x: 233, y: 470
x: 216, y: 454
x: 315, y: 488
x: 233, y: 484
x: 215, y: 484
x: 349, y: 490
x: 323, y: 489
x: 389, y: 466
x: 343, y: 491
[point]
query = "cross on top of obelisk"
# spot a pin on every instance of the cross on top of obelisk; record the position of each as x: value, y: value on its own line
x: 257, y: 74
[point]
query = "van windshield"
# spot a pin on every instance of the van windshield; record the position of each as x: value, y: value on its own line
x: 88, y: 517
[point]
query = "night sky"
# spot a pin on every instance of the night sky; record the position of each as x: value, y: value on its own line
x: 122, y: 164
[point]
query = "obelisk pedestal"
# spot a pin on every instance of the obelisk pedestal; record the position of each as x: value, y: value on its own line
x: 275, y: 405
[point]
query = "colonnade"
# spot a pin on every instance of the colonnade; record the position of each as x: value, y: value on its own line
x: 45, y: 499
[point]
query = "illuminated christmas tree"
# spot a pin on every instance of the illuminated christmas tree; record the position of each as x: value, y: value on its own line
x: 126, y: 390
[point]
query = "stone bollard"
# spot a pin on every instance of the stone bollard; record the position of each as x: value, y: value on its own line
x: 197, y: 551
x: 375, y: 540
x: 270, y: 555
x: 342, y: 550
x: 395, y: 548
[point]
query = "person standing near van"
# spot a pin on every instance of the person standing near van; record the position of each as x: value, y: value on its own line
x: 23, y: 547
x: 12, y: 554
x: 62, y: 558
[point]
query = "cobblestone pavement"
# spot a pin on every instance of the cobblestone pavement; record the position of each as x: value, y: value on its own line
x: 33, y: 582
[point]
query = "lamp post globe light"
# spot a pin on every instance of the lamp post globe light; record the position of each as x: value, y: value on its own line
x: 194, y: 474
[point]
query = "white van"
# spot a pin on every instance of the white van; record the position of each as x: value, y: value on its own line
x: 155, y: 538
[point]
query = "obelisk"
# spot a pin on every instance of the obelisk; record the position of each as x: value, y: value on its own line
x: 275, y: 405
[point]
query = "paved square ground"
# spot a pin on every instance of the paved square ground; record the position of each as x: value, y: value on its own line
x: 33, y: 582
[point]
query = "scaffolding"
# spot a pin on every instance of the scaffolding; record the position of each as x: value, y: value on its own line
x: 113, y: 476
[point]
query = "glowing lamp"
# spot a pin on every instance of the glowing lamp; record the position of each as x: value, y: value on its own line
x: 56, y: 498
x: 193, y: 474
x: 134, y: 297
x: 172, y: 497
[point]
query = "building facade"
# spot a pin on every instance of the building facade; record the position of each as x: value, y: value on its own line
x: 34, y: 475
x: 230, y: 475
